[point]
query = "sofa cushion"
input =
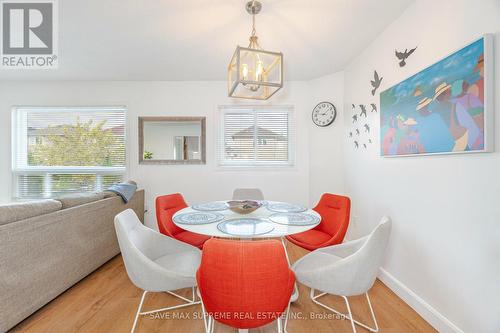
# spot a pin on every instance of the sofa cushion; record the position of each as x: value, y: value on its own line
x: 73, y: 200
x: 23, y: 210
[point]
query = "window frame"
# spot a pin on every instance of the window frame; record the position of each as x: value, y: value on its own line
x: 222, y: 163
x: 19, y: 143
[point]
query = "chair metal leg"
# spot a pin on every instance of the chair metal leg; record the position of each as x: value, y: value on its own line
x: 193, y: 301
x: 286, y: 252
x: 212, y: 322
x: 139, y: 313
x: 279, y: 325
x: 286, y: 317
x: 207, y: 319
x: 372, y: 312
x: 349, y: 315
x: 169, y: 308
x: 295, y: 288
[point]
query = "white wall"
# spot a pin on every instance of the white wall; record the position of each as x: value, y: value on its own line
x: 444, y: 246
x: 196, y: 182
x: 445, y: 243
x: 325, y: 143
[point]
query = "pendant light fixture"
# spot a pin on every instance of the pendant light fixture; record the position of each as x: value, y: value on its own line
x: 254, y: 73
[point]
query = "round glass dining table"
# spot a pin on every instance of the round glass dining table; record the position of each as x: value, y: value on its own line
x: 272, y: 220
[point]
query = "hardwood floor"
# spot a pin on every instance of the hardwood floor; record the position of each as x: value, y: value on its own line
x: 106, y: 301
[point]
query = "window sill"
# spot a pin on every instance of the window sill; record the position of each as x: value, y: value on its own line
x: 257, y: 168
x: 70, y: 170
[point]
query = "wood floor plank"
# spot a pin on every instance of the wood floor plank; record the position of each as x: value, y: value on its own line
x: 106, y: 301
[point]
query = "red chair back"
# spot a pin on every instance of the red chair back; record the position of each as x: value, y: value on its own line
x: 166, y: 207
x: 335, y: 211
x: 244, y: 284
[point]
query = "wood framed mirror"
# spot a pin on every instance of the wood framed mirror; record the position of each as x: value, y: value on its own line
x: 172, y: 140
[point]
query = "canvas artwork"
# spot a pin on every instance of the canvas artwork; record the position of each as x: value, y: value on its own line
x: 441, y: 109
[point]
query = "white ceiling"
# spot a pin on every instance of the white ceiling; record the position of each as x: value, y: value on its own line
x: 194, y: 39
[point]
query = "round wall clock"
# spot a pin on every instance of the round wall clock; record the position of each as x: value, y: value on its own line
x: 324, y: 114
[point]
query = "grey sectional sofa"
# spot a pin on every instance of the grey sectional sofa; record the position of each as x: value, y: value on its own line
x: 48, y: 246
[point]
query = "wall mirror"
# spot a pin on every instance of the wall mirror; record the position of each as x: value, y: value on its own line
x: 172, y: 140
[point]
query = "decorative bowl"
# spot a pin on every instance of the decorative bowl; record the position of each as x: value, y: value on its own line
x: 244, y: 206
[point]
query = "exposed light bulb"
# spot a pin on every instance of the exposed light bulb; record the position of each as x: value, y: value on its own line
x: 244, y: 71
x: 259, y: 70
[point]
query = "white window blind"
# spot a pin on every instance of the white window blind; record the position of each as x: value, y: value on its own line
x: 256, y: 137
x: 62, y: 150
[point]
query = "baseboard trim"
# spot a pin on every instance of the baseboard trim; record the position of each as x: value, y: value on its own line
x: 431, y: 315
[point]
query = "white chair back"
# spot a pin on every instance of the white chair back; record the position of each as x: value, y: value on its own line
x: 368, y: 259
x: 248, y: 194
x: 141, y: 246
x: 347, y: 269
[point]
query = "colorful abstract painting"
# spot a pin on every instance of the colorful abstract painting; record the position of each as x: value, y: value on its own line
x: 439, y: 110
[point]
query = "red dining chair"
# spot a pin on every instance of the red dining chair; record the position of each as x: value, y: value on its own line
x: 244, y: 284
x: 335, y: 212
x: 166, y: 207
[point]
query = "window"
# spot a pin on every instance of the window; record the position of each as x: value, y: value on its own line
x: 64, y: 150
x: 255, y: 136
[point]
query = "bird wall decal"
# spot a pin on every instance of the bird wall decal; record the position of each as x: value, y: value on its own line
x: 355, y: 118
x: 357, y: 131
x: 350, y: 134
x: 363, y: 110
x: 377, y: 80
x: 356, y: 144
x: 402, y: 56
x: 364, y: 145
x: 367, y: 128
x: 374, y: 107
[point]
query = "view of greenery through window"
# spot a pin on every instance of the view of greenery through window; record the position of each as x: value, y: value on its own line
x: 55, y: 140
x: 82, y: 144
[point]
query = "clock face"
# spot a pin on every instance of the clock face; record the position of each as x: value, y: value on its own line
x: 324, y: 114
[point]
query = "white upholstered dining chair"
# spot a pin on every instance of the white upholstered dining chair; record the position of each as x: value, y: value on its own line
x: 248, y: 194
x: 154, y: 262
x: 347, y: 269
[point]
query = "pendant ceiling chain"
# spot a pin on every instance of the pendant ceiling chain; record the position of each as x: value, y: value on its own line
x: 254, y: 8
x: 254, y: 31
